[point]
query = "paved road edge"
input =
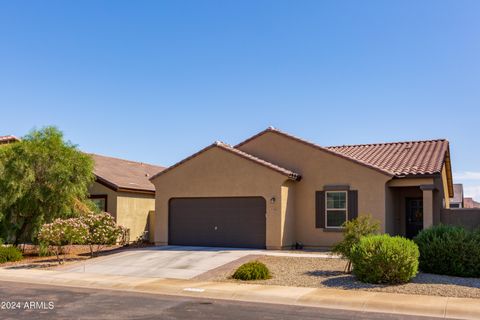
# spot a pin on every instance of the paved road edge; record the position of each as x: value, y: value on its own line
x: 363, y: 301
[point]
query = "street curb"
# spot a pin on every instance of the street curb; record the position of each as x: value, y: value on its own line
x: 352, y: 300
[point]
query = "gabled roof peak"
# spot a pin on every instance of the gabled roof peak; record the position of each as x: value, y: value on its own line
x: 224, y: 146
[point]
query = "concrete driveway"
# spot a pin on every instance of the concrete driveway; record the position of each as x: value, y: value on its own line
x: 162, y: 262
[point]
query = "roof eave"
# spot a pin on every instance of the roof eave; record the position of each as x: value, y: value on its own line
x: 112, y: 186
x: 291, y: 175
x: 143, y: 191
x: 416, y: 175
x: 448, y: 168
x: 106, y: 183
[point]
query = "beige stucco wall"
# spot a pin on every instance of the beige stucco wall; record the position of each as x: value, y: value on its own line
x: 288, y: 218
x: 99, y: 189
x: 392, y: 220
x: 129, y: 209
x: 319, y: 168
x: 219, y: 173
x: 132, y: 212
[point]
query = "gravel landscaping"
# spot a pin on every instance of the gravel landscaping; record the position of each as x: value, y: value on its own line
x: 328, y: 273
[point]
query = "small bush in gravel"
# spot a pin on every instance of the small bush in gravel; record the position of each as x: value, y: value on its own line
x: 352, y: 232
x: 8, y: 254
x: 252, y: 271
x: 385, y: 259
x: 449, y: 250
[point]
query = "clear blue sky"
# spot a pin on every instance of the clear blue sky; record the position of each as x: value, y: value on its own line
x: 155, y: 81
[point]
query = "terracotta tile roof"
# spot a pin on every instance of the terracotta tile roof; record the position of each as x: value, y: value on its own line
x: 218, y: 144
x: 394, y: 159
x: 124, y: 174
x: 8, y: 139
x: 399, y: 158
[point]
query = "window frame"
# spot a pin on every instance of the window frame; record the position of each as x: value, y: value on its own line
x: 335, y: 209
x: 100, y: 196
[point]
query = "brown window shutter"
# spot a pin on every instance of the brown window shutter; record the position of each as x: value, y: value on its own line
x: 320, y: 209
x: 352, y: 204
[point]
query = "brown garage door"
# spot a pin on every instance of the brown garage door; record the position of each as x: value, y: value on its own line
x: 217, y: 222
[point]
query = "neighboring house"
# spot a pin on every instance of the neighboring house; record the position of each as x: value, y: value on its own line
x: 457, y: 200
x: 274, y: 190
x: 470, y: 203
x: 8, y: 139
x: 123, y: 189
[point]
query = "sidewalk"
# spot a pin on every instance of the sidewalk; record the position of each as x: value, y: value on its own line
x: 442, y: 307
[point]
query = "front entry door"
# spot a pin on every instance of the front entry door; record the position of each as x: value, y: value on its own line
x: 414, y: 216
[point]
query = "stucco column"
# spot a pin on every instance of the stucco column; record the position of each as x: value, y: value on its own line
x: 274, y: 222
x: 427, y: 205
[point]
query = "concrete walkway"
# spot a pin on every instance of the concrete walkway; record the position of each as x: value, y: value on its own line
x: 174, y: 262
x: 443, y: 307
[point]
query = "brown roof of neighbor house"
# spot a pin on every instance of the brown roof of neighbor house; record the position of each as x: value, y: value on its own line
x: 8, y: 139
x: 398, y: 159
x: 218, y: 144
x: 124, y: 175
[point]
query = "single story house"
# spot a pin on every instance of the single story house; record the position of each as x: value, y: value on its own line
x: 122, y: 188
x: 274, y: 190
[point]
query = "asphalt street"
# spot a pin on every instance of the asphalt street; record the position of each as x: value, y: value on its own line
x: 29, y: 301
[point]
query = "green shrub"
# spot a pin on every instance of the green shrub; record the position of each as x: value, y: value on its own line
x: 8, y: 254
x: 252, y: 271
x: 352, y: 232
x: 385, y: 259
x: 449, y: 250
x: 44, y: 250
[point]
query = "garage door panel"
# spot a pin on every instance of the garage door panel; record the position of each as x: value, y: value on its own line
x: 226, y: 222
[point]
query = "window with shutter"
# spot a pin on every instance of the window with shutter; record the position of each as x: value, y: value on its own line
x: 334, y: 207
x: 320, y: 209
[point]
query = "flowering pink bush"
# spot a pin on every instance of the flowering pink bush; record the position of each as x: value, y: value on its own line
x: 63, y: 232
x: 93, y: 229
x: 102, y: 230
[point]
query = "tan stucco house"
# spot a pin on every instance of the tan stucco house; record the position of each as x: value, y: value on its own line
x: 122, y: 188
x: 275, y: 190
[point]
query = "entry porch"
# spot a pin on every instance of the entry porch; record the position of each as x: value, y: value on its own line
x: 412, y: 206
